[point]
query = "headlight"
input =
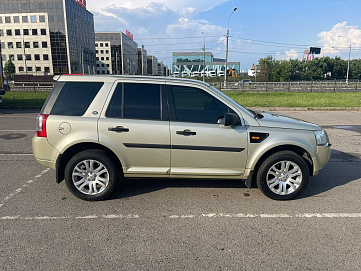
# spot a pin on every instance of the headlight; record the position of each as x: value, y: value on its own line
x: 321, y: 137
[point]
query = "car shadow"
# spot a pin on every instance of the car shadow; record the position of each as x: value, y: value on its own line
x: 342, y: 168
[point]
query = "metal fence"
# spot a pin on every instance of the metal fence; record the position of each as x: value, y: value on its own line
x: 292, y: 86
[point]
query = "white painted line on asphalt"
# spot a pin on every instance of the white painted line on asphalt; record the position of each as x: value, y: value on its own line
x: 202, y: 216
x: 19, y: 190
x: 15, y: 154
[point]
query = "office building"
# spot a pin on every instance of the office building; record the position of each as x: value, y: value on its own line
x: 116, y: 53
x: 152, y: 65
x: 47, y: 37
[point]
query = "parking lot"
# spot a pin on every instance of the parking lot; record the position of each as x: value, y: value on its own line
x: 180, y: 224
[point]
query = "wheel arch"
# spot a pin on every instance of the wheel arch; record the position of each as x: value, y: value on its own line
x: 304, y: 154
x: 63, y: 158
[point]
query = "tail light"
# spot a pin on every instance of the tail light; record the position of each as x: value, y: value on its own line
x: 41, y: 125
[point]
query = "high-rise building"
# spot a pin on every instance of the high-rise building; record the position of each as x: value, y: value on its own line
x: 116, y: 53
x: 142, y: 61
x: 47, y: 37
x: 152, y: 65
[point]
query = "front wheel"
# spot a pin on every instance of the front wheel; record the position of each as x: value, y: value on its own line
x: 91, y: 175
x: 283, y: 175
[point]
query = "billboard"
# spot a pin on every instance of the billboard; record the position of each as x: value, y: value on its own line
x: 81, y: 3
x: 128, y: 34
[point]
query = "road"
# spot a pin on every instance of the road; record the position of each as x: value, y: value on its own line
x: 180, y: 225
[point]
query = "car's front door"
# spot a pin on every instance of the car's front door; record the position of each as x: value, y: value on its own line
x: 201, y: 146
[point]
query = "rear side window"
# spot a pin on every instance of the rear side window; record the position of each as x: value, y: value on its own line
x: 75, y: 98
x: 136, y: 101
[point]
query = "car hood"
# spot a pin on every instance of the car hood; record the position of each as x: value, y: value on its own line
x: 276, y: 120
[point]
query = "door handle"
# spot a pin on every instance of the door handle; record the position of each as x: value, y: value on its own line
x: 118, y: 129
x: 186, y: 132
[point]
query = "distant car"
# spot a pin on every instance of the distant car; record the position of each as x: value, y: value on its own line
x: 245, y: 82
x: 6, y: 88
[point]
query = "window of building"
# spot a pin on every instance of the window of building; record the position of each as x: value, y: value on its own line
x: 43, y: 31
x: 3, y: 57
x: 18, y: 44
x: 8, y: 20
x: 111, y: 37
x: 26, y: 32
x: 98, y: 65
x: 23, y: 6
x: 20, y: 57
x: 102, y: 51
x: 98, y: 72
x: 97, y: 58
x: 44, y: 44
x: 15, y: 6
x: 37, y: 57
x: 107, y: 65
x: 50, y: 5
x: 30, y: 69
x: 16, y: 19
x: 102, y: 58
x: 33, y: 19
x: 2, y: 45
x: 10, y: 45
x: 96, y: 51
x: 41, y: 18
x: 102, y: 65
x: 103, y: 72
x: 45, y: 57
x: 47, y: 69
x: 28, y: 57
x: 75, y: 98
x: 38, y: 69
x: 21, y: 69
x: 34, y: 32
x: 58, y: 5
x: 60, y: 18
x: 8, y: 32
x: 1, y: 33
x: 11, y: 57
x: 50, y: 18
x: 1, y: 20
x: 96, y: 44
x: 7, y: 6
x: 107, y: 51
x: 107, y: 58
x: 17, y: 32
x: 35, y: 44
x: 32, y: 5
x: 108, y: 72
x: 106, y: 45
x: 27, y: 44
x: 24, y: 19
x: 101, y: 44
x: 41, y: 6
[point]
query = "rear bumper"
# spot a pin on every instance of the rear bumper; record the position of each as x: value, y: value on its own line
x: 44, y: 153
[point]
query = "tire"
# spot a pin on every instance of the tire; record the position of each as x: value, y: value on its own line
x: 283, y: 175
x: 91, y: 175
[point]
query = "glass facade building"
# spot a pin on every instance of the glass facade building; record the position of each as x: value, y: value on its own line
x: 189, y: 63
x: 47, y: 37
x: 123, y: 53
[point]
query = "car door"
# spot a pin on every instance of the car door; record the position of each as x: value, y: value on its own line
x: 136, y: 127
x: 201, y: 146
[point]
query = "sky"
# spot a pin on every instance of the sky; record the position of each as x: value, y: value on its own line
x: 257, y: 29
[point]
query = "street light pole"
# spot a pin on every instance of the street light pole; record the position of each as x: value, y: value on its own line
x: 225, y: 67
x: 348, y: 63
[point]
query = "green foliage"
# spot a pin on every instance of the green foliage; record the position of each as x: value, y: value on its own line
x: 9, y: 70
x: 272, y: 70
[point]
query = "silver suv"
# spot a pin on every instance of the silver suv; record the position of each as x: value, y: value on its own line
x: 94, y: 131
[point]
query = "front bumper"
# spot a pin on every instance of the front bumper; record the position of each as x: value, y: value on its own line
x: 321, y: 158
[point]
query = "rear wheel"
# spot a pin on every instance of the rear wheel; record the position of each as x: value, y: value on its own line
x: 91, y: 175
x: 282, y: 175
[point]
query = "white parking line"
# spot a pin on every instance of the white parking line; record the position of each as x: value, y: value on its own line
x: 14, y: 131
x: 20, y: 189
x: 202, y: 216
x: 16, y: 154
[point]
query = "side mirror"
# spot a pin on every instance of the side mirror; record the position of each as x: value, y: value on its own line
x: 231, y: 119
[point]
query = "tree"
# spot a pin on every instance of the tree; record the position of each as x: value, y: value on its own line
x: 264, y: 69
x: 9, y: 70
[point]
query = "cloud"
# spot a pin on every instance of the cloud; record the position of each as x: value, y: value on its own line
x: 338, y: 39
x: 292, y: 54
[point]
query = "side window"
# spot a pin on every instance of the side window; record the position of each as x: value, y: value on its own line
x: 195, y: 105
x: 75, y: 98
x: 139, y: 101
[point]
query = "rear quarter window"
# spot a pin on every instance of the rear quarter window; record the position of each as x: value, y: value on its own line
x: 75, y: 98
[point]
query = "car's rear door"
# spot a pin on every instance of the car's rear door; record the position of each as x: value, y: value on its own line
x: 135, y: 126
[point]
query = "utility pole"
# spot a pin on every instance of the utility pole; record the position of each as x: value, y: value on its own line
x: 204, y: 57
x: 225, y: 66
x: 348, y: 63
